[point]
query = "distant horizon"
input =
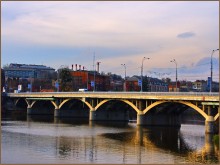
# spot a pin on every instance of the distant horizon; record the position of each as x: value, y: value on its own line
x: 57, y: 33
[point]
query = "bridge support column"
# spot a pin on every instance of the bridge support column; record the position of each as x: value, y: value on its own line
x: 209, y: 124
x: 140, y: 119
x: 29, y: 110
x: 56, y: 112
x: 92, y: 114
x: 209, y: 144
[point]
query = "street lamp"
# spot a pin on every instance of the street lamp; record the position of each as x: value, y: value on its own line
x: 174, y: 61
x: 94, y: 72
x: 213, y: 51
x: 142, y: 72
x: 125, y: 76
x: 87, y: 77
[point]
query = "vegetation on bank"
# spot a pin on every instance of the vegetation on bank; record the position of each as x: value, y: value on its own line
x: 216, y: 140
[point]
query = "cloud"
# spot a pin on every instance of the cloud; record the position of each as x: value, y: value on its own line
x: 186, y: 35
x: 118, y: 32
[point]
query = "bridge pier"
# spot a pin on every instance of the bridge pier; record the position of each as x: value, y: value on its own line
x: 140, y: 119
x: 92, y: 115
x: 29, y: 110
x: 209, y: 144
x: 209, y: 125
x: 57, y: 112
x: 209, y: 122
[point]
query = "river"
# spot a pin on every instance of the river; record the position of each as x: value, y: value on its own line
x: 40, y: 139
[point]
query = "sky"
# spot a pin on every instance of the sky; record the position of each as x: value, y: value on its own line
x: 57, y: 34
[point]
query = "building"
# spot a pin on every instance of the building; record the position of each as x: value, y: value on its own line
x: 172, y: 87
x: 28, y: 77
x: 116, y: 82
x: 215, y: 86
x: 200, y: 86
x: 132, y: 83
x: 157, y: 85
x: 83, y: 79
x: 186, y: 86
x: 28, y: 71
x: 149, y: 84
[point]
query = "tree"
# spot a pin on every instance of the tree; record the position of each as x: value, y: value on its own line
x: 145, y: 84
x: 166, y: 80
x: 66, y: 79
x: 5, y: 66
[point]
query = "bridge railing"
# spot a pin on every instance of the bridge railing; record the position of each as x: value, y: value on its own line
x: 122, y: 93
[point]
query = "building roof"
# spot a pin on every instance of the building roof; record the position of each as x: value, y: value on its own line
x: 28, y: 66
x: 133, y: 78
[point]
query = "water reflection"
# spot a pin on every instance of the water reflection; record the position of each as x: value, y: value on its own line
x: 168, y: 139
x: 40, y: 118
x: 53, y: 140
x: 64, y: 149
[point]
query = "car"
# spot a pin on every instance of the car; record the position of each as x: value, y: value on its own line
x: 83, y: 90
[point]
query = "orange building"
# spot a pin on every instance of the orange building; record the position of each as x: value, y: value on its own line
x: 132, y: 84
x: 83, y: 79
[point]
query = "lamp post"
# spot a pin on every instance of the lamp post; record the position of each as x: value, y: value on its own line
x: 87, y: 77
x: 142, y: 72
x: 213, y: 51
x: 94, y: 71
x: 174, y: 61
x: 125, y: 76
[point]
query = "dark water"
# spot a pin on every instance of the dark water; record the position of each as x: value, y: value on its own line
x: 40, y: 139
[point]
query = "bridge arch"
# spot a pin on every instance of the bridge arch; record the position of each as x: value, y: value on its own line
x: 55, y: 105
x: 66, y: 100
x: 125, y: 101
x: 20, y: 103
x: 132, y: 105
x: 19, y: 99
x: 216, y: 117
x: 101, y: 103
x: 36, y: 103
x: 32, y: 104
x: 200, y: 111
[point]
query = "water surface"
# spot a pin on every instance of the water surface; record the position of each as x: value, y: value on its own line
x: 38, y: 139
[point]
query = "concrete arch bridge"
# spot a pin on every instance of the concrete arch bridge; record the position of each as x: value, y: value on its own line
x: 151, y: 108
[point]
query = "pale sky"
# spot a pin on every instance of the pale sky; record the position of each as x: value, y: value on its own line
x: 64, y: 33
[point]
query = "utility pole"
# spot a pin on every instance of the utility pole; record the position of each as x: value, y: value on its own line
x: 213, y: 51
x: 174, y: 61
x: 94, y: 71
x: 125, y: 76
x: 142, y: 72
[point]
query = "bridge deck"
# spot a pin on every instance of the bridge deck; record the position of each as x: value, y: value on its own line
x: 193, y: 96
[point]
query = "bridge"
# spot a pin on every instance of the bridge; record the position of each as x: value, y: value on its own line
x: 146, y: 105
